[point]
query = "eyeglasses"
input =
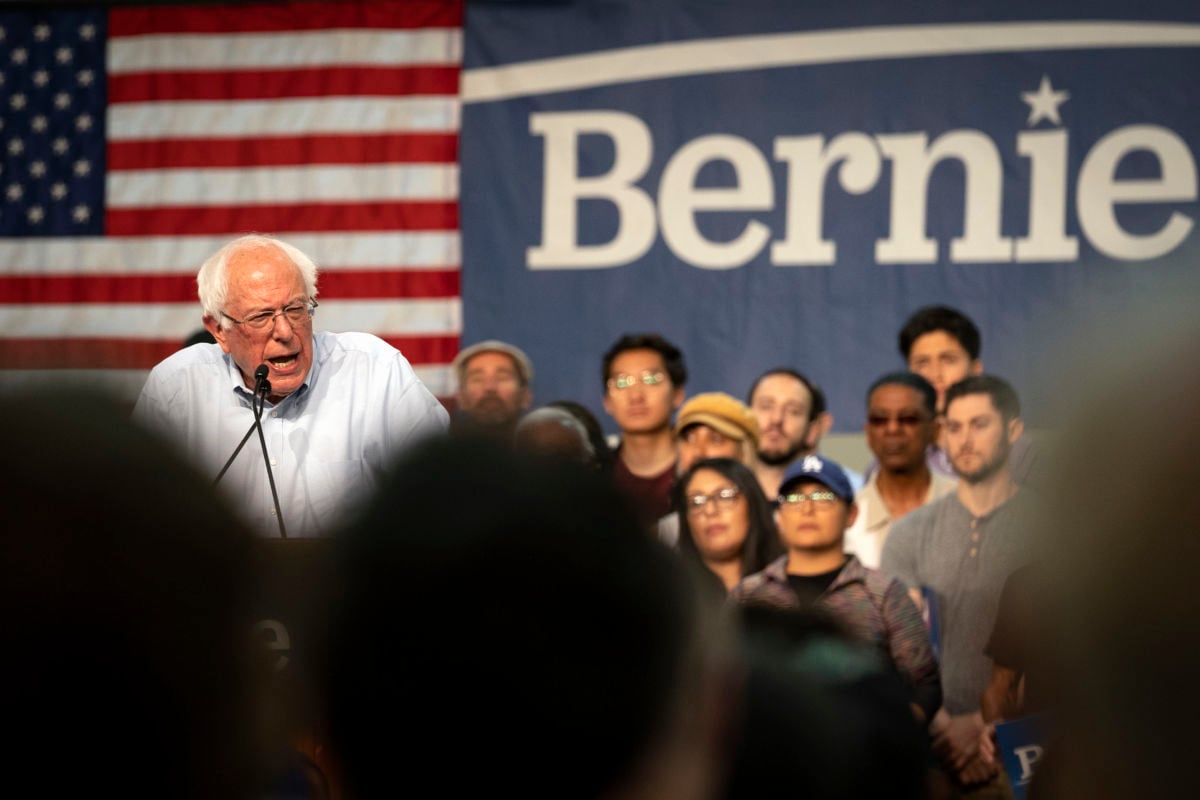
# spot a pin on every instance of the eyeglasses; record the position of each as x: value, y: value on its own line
x: 724, y: 499
x: 903, y: 420
x: 646, y: 378
x: 822, y: 501
x: 296, y: 314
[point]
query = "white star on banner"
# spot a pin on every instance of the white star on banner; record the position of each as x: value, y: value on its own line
x: 41, y: 77
x: 36, y: 214
x: 58, y: 191
x: 1044, y: 103
x: 41, y: 32
x: 14, y: 192
x: 81, y: 213
x: 63, y: 55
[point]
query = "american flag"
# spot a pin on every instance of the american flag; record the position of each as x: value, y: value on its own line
x: 136, y: 141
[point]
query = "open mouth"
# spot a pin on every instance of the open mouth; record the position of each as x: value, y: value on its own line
x: 282, y: 363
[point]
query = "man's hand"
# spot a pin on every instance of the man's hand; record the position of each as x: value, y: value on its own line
x: 977, y: 770
x: 957, y: 739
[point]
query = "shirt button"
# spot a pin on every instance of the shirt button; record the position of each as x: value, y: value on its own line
x: 274, y: 413
x: 974, y: 536
x: 973, y: 552
x: 273, y: 462
x: 974, y: 524
x: 272, y: 512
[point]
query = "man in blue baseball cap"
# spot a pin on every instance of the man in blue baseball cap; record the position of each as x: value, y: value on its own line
x: 815, y: 506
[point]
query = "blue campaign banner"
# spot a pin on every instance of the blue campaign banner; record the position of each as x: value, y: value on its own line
x: 1021, y: 743
x: 776, y: 183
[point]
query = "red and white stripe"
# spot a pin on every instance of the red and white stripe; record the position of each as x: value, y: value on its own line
x: 333, y: 125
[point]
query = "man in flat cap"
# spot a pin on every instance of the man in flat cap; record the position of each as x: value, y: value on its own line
x: 710, y: 425
x: 495, y: 387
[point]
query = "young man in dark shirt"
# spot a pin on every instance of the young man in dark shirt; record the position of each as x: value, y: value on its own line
x: 644, y: 376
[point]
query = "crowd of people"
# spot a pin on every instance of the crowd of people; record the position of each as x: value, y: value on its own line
x: 499, y: 601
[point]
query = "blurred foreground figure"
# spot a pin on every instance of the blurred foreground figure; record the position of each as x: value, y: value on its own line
x: 1124, y: 553
x: 555, y: 433
x: 507, y: 628
x: 822, y: 716
x: 125, y: 630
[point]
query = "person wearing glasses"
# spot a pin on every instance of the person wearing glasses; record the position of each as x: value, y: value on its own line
x: 815, y: 506
x: 709, y: 425
x: 725, y: 524
x: 338, y: 407
x: 644, y: 375
x: 901, y: 425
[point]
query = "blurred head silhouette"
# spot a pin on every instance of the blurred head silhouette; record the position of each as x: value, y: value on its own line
x: 123, y: 598
x: 1122, y: 552
x: 505, y: 625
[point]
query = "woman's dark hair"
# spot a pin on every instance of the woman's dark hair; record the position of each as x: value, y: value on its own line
x: 762, y: 544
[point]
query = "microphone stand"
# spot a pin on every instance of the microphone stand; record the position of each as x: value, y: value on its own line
x: 258, y: 387
x: 262, y: 389
x: 262, y: 440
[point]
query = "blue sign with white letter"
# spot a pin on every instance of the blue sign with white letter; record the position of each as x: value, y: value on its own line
x: 783, y: 184
x: 1021, y: 744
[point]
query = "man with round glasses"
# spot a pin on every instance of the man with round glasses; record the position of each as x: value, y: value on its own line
x: 337, y: 408
x: 815, y: 506
x: 644, y: 375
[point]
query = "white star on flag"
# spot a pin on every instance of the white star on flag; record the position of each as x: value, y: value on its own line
x: 1044, y: 103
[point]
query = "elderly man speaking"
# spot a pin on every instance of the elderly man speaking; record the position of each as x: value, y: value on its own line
x: 338, y: 407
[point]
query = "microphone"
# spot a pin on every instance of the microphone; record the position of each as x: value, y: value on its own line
x: 261, y: 384
x: 262, y: 389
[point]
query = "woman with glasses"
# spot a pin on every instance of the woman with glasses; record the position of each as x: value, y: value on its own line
x: 725, y: 522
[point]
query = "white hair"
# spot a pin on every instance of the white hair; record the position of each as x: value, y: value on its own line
x: 562, y: 417
x: 212, y: 281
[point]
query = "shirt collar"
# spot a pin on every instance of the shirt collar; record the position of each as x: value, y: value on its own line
x: 852, y: 572
x: 870, y: 501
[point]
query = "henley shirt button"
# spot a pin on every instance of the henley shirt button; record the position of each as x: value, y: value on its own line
x: 273, y: 514
x: 973, y: 552
x: 974, y: 536
x: 273, y: 464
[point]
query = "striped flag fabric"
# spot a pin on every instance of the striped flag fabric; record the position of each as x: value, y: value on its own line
x: 136, y: 141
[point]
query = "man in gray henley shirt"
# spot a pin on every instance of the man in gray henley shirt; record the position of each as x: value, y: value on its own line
x: 962, y: 548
